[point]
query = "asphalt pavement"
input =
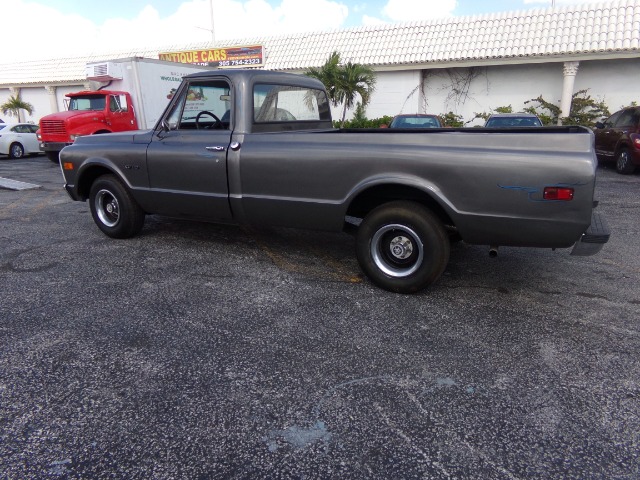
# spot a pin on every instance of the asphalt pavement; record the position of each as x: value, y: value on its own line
x: 200, y: 351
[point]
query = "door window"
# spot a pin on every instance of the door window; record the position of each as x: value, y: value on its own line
x: 118, y: 103
x: 205, y: 104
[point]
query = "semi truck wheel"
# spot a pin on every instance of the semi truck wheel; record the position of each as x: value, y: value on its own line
x: 53, y: 156
x: 402, y: 247
x: 113, y: 208
x: 16, y: 150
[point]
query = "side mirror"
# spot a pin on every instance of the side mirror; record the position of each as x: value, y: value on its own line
x: 599, y: 125
x: 164, y: 128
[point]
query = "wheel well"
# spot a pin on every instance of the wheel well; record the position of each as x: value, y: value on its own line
x: 87, y: 179
x: 375, y: 196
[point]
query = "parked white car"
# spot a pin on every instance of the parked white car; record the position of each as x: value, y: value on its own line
x: 18, y: 139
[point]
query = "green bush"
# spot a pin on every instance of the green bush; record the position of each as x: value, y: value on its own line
x: 451, y: 119
x: 584, y: 110
x: 364, y: 122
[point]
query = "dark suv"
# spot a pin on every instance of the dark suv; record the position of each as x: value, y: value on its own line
x: 618, y: 139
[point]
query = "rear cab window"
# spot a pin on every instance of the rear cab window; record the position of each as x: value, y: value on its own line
x: 289, y: 107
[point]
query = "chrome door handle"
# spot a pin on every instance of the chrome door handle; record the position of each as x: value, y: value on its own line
x: 217, y: 148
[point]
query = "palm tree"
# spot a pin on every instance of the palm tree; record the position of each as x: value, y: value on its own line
x: 345, y: 83
x: 13, y: 106
x: 328, y: 74
x: 357, y: 81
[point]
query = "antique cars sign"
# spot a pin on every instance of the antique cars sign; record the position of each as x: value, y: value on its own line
x: 228, y: 57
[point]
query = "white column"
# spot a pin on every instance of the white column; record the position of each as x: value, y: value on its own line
x: 53, y: 101
x: 570, y: 70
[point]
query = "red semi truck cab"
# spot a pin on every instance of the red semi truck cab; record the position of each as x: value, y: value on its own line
x: 89, y: 113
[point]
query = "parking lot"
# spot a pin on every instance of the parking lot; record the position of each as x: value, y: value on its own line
x: 202, y: 351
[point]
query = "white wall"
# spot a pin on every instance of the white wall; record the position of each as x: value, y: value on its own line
x: 395, y: 93
x: 466, y: 91
x: 39, y: 98
x: 614, y: 81
x: 4, y: 96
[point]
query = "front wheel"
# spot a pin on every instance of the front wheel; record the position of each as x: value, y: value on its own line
x: 16, y: 150
x: 402, y: 247
x: 53, y: 156
x: 113, y: 208
x: 624, y: 165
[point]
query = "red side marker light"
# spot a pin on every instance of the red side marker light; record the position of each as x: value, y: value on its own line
x: 67, y: 166
x: 558, y: 193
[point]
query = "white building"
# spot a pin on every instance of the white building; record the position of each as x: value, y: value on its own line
x: 461, y: 64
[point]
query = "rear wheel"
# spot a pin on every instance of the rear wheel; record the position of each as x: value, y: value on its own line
x: 113, y: 208
x: 402, y: 247
x: 16, y: 150
x: 53, y: 156
x: 624, y: 165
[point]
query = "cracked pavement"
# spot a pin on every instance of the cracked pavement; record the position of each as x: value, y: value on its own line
x: 205, y: 351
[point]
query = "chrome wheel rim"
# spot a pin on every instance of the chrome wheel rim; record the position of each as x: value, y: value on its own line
x: 16, y: 151
x: 107, y: 208
x: 397, y: 250
x: 623, y: 158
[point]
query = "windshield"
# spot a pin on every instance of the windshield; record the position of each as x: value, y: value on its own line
x: 87, y: 103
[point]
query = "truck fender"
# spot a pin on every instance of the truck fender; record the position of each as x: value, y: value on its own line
x: 373, y: 191
x: 93, y: 168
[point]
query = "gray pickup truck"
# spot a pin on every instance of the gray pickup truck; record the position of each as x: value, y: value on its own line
x: 258, y: 147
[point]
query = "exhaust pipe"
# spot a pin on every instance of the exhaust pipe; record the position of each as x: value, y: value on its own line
x: 493, y: 251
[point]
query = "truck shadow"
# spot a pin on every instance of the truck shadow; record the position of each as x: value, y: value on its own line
x: 313, y: 255
x: 330, y: 257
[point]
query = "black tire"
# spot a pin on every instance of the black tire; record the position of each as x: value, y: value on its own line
x: 624, y: 165
x: 402, y: 247
x: 16, y: 150
x: 53, y: 156
x: 113, y: 208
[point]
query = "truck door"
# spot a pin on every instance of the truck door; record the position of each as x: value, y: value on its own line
x: 121, y: 116
x: 187, y: 160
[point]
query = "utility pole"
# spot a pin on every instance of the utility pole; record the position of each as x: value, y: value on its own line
x: 213, y: 32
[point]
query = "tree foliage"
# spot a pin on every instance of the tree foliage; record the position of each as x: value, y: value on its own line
x: 359, y: 120
x: 584, y: 110
x: 345, y: 83
x: 13, y: 106
x: 485, y: 115
x: 451, y: 119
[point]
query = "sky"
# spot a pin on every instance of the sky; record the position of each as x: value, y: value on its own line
x: 71, y: 28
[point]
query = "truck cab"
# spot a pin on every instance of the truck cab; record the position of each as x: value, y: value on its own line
x: 89, y: 113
